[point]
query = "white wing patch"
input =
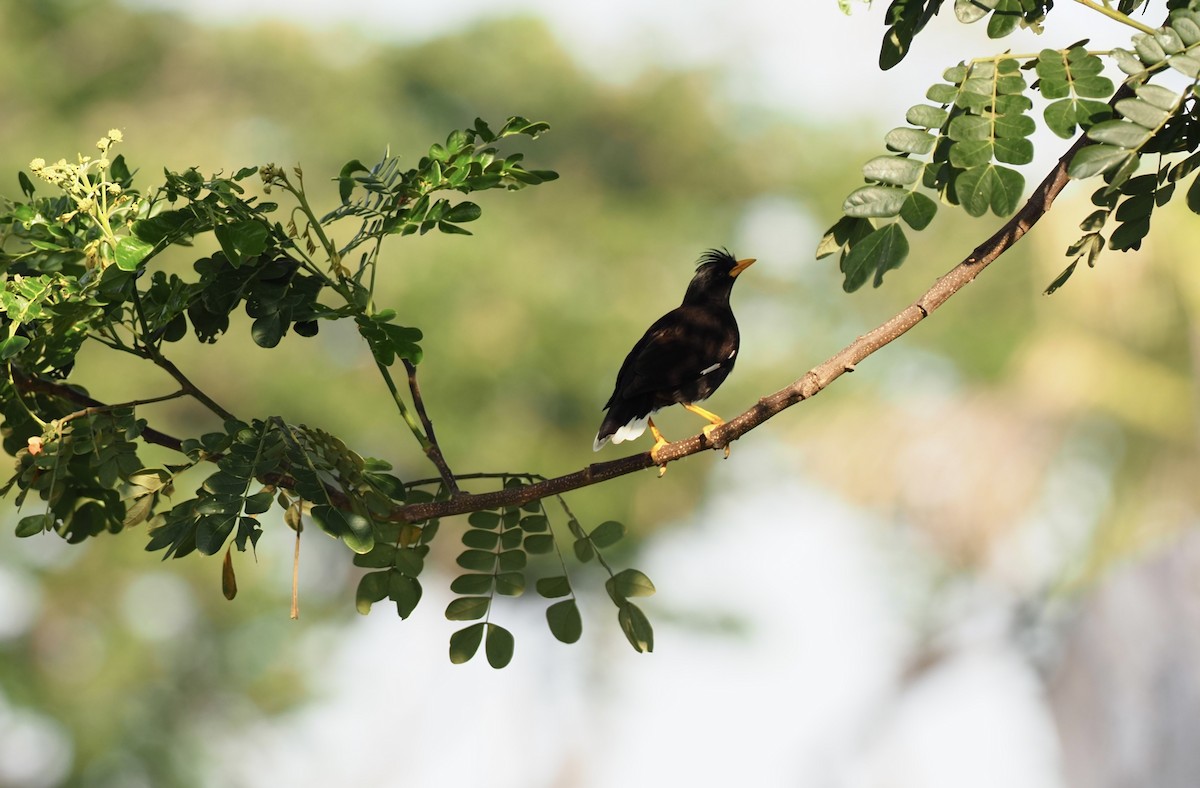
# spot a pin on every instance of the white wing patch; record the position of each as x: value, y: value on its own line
x: 715, y: 367
x: 633, y: 429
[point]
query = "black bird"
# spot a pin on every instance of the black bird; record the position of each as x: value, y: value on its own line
x: 682, y: 358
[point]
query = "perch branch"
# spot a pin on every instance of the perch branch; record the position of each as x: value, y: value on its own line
x: 806, y: 387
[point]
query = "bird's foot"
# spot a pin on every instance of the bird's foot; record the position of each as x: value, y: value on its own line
x: 707, y: 431
x: 654, y: 450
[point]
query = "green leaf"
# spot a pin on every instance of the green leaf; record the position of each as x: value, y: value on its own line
x: 843, y: 231
x: 346, y: 180
x: 895, y: 170
x: 1014, y: 126
x: 372, y: 587
x: 965, y: 155
x: 989, y: 186
x: 1095, y: 86
x: 538, y: 544
x: 405, y: 591
x: 1148, y: 50
x: 1063, y: 116
x: 465, y: 642
x: 10, y: 347
x: 463, y: 212
x: 36, y: 524
x: 1004, y: 19
x: 628, y: 583
x: 468, y: 608
x: 874, y: 201
x: 1061, y: 279
x: 553, y: 587
x: 968, y: 11
x: 535, y: 523
x: 410, y: 560
x: 1186, y: 65
x: 1158, y: 96
x: 1097, y: 159
x: 510, y: 583
x: 1142, y: 112
x: 477, y: 560
x: 906, y: 140
x: 353, y: 529
x: 926, y: 116
x: 607, y: 533
x: 499, y: 648
x: 260, y: 502
x: 241, y: 240
x: 564, y: 620
x: 584, y: 551
x: 512, y: 560
x: 1193, y: 196
x: 970, y: 127
x: 942, y: 93
x: 1013, y: 151
x: 382, y: 556
x: 881, y: 251
x: 130, y: 252
x: 1120, y: 133
x: 636, y: 627
x: 472, y: 584
x: 918, y: 211
x: 480, y: 539
x: 1129, y: 235
x: 484, y: 519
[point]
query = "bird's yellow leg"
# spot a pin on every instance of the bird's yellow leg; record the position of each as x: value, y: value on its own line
x: 714, y: 419
x: 659, y: 442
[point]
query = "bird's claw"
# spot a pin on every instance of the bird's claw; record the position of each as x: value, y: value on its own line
x: 707, y: 431
x: 654, y: 450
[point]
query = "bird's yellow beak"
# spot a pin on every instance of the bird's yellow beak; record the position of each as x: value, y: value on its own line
x: 742, y: 265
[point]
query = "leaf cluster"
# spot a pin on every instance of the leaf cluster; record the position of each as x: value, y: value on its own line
x: 500, y: 549
x: 965, y: 146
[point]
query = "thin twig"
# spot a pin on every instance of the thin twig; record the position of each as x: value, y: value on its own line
x: 432, y: 449
x: 70, y: 394
x: 94, y: 410
x: 192, y: 390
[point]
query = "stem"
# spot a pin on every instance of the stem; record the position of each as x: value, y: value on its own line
x: 295, y: 614
x: 405, y: 413
x: 93, y: 410
x: 188, y: 387
x: 432, y: 449
x: 1115, y: 15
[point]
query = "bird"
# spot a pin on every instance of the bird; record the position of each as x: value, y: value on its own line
x: 681, y: 359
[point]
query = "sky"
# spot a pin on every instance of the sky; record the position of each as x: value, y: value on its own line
x: 804, y: 58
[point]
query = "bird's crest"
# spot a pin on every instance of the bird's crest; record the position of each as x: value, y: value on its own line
x: 716, y: 257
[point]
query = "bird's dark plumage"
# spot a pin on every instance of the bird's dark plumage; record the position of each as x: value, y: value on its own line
x: 683, y: 357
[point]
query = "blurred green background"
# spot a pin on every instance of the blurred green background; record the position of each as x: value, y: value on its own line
x: 972, y: 562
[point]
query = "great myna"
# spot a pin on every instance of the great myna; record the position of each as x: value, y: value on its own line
x: 682, y: 358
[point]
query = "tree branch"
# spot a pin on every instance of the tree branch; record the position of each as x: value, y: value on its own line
x: 71, y: 394
x: 433, y: 450
x: 806, y: 387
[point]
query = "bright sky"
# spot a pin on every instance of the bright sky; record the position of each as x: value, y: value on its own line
x: 804, y: 57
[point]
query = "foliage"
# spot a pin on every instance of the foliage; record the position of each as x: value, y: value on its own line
x: 966, y: 143
x: 75, y: 267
